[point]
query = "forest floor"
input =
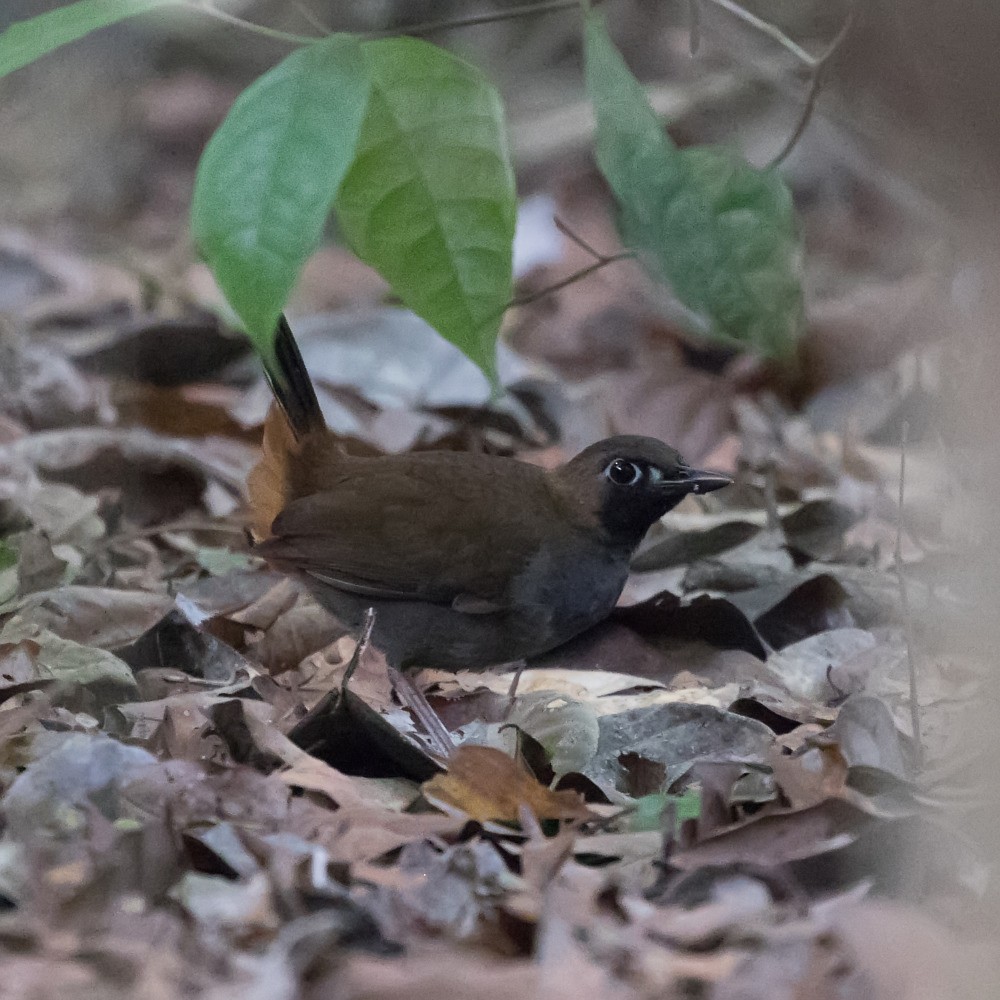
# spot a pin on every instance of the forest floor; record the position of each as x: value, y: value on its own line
x: 208, y: 790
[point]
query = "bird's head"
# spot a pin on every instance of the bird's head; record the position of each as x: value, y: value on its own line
x: 629, y: 482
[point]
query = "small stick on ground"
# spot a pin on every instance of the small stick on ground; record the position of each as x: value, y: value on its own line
x: 904, y: 600
x: 409, y: 694
x: 364, y: 641
x: 512, y: 690
x: 413, y: 698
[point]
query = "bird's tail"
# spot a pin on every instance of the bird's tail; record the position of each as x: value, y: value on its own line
x: 292, y: 387
x: 295, y: 417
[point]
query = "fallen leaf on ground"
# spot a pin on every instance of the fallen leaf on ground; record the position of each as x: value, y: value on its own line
x: 486, y: 784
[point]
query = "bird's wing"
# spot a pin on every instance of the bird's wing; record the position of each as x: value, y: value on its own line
x: 434, y: 527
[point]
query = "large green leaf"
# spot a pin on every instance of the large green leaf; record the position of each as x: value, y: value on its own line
x: 430, y: 201
x: 269, y: 174
x: 720, y: 232
x: 25, y: 41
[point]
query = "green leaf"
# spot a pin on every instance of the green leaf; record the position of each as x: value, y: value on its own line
x: 219, y: 561
x: 8, y: 574
x: 25, y: 41
x: 648, y: 814
x: 430, y: 201
x: 269, y: 174
x: 720, y: 232
x: 567, y: 730
x: 8, y: 556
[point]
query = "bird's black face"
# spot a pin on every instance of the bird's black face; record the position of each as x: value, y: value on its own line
x: 638, y: 480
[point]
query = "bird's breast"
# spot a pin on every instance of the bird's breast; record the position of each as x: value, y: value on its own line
x: 578, y: 585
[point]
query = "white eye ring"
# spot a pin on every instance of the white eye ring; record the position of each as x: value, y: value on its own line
x: 622, y: 472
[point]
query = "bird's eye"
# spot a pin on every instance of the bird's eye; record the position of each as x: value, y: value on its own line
x: 623, y: 473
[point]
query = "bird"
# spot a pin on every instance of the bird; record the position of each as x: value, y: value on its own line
x: 468, y: 560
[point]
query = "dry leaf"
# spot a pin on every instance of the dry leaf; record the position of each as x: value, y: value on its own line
x: 486, y: 784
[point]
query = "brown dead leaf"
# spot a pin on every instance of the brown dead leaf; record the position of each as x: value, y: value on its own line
x: 809, y: 778
x: 355, y: 835
x: 316, y: 775
x: 778, y: 837
x: 187, y: 411
x: 220, y: 460
x: 296, y: 632
x: 486, y: 784
x: 267, y: 608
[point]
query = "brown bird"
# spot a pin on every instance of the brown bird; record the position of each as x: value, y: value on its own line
x: 468, y: 560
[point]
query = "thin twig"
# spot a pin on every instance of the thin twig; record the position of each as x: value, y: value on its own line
x: 512, y: 690
x: 768, y: 29
x: 364, y: 641
x: 257, y: 29
x: 430, y: 27
x: 815, y: 86
x: 601, y: 260
x: 904, y: 600
x: 585, y: 272
x: 816, y: 81
x: 411, y: 697
x: 576, y: 238
x: 694, y: 31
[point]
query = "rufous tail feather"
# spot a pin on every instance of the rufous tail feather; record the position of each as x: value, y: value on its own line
x: 268, y: 485
x: 294, y: 417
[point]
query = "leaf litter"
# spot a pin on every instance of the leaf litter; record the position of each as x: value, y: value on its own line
x: 712, y: 794
x: 687, y: 791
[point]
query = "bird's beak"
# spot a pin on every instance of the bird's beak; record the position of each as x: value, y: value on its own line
x: 696, y: 481
x: 705, y: 482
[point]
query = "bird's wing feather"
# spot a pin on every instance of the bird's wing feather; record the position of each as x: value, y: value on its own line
x: 416, y: 527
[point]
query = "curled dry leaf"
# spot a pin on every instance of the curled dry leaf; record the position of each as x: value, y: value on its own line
x: 805, y: 667
x: 867, y: 737
x: 565, y: 729
x: 487, y: 785
x: 98, y: 616
x: 674, y: 735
